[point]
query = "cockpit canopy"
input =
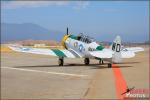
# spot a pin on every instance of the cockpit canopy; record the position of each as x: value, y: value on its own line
x: 84, y: 38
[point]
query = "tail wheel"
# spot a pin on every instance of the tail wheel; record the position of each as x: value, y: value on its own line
x: 86, y: 61
x: 61, y: 61
x: 109, y: 65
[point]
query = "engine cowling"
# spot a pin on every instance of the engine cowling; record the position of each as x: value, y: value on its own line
x: 64, y: 40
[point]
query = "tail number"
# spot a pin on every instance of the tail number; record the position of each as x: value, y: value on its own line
x: 116, y: 47
x: 113, y: 46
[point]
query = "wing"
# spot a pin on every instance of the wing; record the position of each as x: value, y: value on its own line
x: 127, y: 54
x: 108, y: 53
x: 130, y: 52
x: 52, y: 52
x: 105, y: 53
x: 134, y: 49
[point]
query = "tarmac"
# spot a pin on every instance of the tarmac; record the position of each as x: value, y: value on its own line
x: 30, y: 76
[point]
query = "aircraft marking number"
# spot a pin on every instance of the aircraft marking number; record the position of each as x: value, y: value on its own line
x: 75, y: 44
x: 113, y: 46
x: 25, y: 49
x: 118, y: 48
x: 81, y: 48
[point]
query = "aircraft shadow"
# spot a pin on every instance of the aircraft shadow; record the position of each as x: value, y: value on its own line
x: 65, y: 65
x: 128, y: 62
x: 92, y: 66
x: 103, y: 67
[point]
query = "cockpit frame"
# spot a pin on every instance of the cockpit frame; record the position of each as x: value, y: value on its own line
x: 84, y: 38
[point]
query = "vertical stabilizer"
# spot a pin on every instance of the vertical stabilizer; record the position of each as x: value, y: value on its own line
x: 116, y: 47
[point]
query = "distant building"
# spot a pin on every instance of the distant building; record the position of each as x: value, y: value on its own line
x: 39, y: 45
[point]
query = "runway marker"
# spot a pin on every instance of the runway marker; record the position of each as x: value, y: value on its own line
x: 120, y: 82
x: 56, y: 73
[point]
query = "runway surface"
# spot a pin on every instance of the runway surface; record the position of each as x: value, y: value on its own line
x: 28, y: 76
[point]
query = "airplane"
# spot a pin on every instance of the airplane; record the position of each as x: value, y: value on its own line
x: 82, y: 46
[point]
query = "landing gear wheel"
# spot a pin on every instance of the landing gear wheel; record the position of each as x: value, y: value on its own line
x: 101, y: 62
x: 86, y: 61
x: 61, y: 61
x: 109, y: 65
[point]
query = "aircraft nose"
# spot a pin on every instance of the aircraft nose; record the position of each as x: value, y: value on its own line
x: 63, y: 40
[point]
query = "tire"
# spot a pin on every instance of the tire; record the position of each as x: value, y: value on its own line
x: 109, y: 65
x: 101, y: 62
x: 86, y: 61
x: 61, y: 61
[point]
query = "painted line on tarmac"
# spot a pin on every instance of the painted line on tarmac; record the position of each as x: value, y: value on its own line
x: 120, y: 82
x: 55, y: 73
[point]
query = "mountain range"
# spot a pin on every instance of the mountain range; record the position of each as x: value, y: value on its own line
x: 11, y: 32
x: 27, y: 31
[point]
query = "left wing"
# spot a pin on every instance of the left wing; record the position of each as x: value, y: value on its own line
x: 52, y: 52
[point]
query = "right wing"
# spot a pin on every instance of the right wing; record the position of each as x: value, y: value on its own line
x: 134, y: 49
x: 52, y: 52
x: 105, y: 53
x: 108, y: 53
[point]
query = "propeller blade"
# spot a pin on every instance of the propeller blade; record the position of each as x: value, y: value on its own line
x: 67, y: 30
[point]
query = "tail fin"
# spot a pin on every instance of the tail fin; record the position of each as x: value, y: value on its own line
x: 116, y: 47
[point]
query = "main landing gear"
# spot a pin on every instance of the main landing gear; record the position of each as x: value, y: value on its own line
x: 86, y: 61
x: 109, y: 65
x: 61, y: 61
x: 101, y: 62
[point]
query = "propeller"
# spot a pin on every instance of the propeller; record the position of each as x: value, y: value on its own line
x: 67, y: 30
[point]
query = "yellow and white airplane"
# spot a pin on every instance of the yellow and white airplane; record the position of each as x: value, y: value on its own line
x: 82, y: 46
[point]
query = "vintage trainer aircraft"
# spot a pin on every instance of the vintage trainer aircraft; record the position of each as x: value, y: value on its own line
x: 83, y: 46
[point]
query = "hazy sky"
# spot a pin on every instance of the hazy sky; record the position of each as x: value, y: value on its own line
x: 99, y: 19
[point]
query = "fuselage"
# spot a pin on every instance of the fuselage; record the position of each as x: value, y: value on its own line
x: 81, y: 45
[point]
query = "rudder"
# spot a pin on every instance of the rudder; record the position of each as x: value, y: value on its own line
x: 116, y: 48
